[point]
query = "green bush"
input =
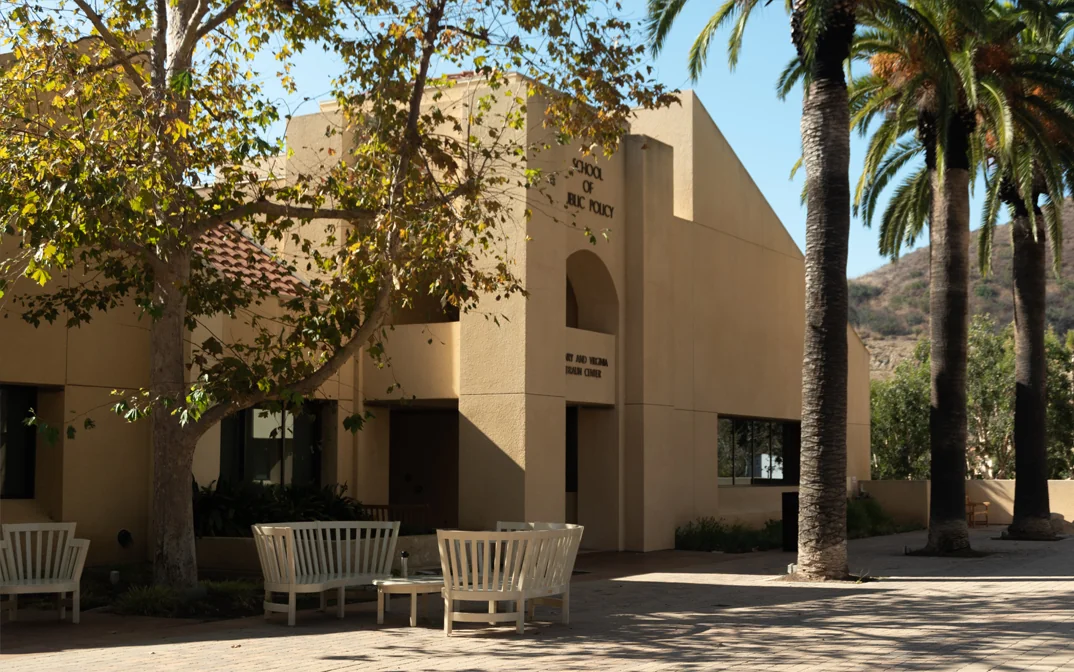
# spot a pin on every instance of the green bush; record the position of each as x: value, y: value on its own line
x: 710, y: 534
x: 229, y: 509
x: 865, y: 518
x: 213, y: 599
x: 147, y: 601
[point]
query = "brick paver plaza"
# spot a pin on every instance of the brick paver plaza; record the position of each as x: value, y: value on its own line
x: 1011, y: 610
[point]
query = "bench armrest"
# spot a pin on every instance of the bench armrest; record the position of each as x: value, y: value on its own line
x: 77, y: 549
x: 5, y: 575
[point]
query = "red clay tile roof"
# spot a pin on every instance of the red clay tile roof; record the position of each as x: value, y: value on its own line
x: 236, y: 256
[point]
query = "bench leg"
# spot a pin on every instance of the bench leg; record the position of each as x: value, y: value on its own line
x: 292, y: 606
x: 566, y: 614
x: 448, y: 603
x: 268, y: 598
x: 75, y: 608
x: 520, y: 623
x: 492, y: 610
x: 413, y: 610
x: 341, y: 601
x: 61, y: 605
x: 380, y: 607
x: 13, y: 607
x: 324, y: 601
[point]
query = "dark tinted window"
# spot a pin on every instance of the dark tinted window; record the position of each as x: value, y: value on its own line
x: 755, y: 450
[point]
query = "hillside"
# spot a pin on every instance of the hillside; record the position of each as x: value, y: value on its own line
x: 890, y: 306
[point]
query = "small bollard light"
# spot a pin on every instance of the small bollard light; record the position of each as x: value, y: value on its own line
x: 402, y: 561
x: 113, y: 577
x: 791, y: 568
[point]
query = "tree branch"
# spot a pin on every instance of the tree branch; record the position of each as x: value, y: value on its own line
x: 219, y: 19
x: 320, y: 376
x: 122, y: 56
x: 116, y: 62
x: 264, y: 207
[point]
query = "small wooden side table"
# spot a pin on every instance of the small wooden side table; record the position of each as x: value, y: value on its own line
x: 413, y: 586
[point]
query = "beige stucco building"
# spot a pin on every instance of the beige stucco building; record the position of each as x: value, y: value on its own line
x: 648, y: 379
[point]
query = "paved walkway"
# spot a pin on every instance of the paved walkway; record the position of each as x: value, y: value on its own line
x: 1011, y: 610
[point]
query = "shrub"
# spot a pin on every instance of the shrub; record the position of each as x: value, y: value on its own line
x: 860, y: 291
x: 229, y: 509
x: 710, y: 534
x: 213, y: 599
x: 147, y: 601
x: 865, y: 518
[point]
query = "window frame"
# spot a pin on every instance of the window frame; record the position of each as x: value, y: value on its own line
x: 790, y: 471
x: 237, y: 432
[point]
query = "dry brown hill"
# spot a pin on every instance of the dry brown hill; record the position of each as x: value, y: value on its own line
x: 890, y: 306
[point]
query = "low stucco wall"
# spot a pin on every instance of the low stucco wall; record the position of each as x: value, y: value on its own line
x: 908, y: 501
x: 752, y: 505
x: 238, y: 554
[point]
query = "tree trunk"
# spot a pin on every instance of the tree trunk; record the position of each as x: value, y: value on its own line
x: 1032, y: 511
x: 174, y: 562
x: 949, y: 234
x: 822, y: 541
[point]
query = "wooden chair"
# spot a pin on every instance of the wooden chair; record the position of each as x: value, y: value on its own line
x: 976, y: 511
x: 42, y: 558
x: 321, y: 557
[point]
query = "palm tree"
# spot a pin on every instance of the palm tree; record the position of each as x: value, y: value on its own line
x: 922, y: 64
x: 1000, y: 70
x: 822, y: 32
x: 1034, y: 159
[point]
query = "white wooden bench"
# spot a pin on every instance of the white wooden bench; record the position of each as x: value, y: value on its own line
x: 511, y: 566
x: 42, y: 558
x: 318, y: 557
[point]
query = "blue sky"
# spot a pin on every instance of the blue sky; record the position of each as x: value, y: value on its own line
x: 763, y: 130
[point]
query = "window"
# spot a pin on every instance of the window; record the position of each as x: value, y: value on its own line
x: 266, y: 446
x: 18, y: 442
x: 755, y: 451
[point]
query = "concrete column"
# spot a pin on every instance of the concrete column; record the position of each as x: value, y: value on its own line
x: 371, y: 463
x: 650, y: 477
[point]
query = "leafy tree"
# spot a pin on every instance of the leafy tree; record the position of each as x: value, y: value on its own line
x: 989, y: 400
x: 131, y: 132
x: 822, y: 31
x: 1060, y: 413
x: 899, y: 411
x: 900, y: 408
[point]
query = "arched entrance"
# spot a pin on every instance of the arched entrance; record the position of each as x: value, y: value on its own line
x: 592, y: 427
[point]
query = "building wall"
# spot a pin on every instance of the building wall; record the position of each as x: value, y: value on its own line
x: 717, y: 320
x: 699, y: 291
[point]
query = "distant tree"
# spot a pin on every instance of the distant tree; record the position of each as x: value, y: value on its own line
x: 900, y: 409
x: 130, y: 130
x: 899, y: 418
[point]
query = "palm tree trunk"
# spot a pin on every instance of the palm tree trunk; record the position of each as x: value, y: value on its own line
x: 949, y: 234
x: 1032, y: 511
x: 822, y: 541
